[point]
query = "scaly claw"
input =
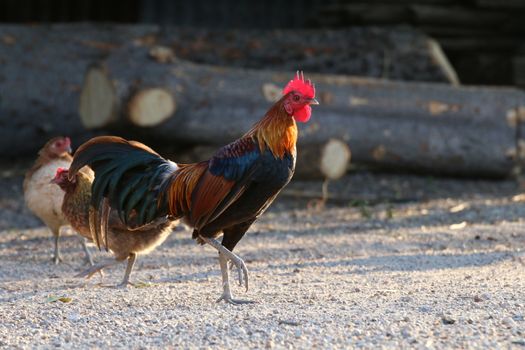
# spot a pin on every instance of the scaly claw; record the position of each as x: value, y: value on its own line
x: 242, y: 270
x: 232, y: 266
x: 227, y: 257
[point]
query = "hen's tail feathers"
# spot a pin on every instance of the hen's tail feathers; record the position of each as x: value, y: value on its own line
x: 128, y: 176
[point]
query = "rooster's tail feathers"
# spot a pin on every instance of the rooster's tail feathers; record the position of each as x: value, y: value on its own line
x: 127, y: 173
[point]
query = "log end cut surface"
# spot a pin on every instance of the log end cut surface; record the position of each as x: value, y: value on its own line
x: 150, y: 107
x: 335, y: 157
x: 97, y: 99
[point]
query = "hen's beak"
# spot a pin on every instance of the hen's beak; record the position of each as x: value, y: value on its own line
x: 69, y: 150
x: 313, y: 101
x: 53, y: 181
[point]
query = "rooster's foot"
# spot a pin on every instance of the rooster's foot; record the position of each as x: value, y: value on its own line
x: 226, y: 291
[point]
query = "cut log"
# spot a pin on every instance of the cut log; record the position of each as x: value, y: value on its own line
x: 425, y: 127
x: 440, y: 57
x: 98, y: 102
x: 41, y: 75
x: 432, y: 128
x: 457, y: 16
x: 43, y: 70
x: 394, y: 53
x: 501, y: 4
x: 150, y: 107
x: 328, y: 161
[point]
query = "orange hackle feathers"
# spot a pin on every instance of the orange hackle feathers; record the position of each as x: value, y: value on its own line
x: 277, y: 131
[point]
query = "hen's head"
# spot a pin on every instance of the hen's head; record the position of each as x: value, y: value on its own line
x: 299, y: 94
x: 62, y: 180
x: 57, y: 147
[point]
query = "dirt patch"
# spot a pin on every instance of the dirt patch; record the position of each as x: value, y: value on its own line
x: 395, y: 261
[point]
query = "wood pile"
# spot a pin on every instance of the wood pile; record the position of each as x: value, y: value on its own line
x: 129, y: 81
x: 482, y: 38
x: 43, y: 66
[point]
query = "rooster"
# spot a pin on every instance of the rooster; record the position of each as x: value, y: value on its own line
x: 124, y: 243
x: 224, y: 194
x: 45, y: 199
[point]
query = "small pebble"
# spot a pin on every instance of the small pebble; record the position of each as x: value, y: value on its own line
x: 447, y: 320
x: 424, y: 308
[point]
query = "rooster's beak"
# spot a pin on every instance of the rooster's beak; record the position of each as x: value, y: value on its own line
x: 53, y: 181
x: 313, y: 101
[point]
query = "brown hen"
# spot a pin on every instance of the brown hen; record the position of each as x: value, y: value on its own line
x: 125, y: 243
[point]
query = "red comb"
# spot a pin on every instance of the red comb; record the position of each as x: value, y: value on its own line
x: 305, y: 87
x: 60, y: 171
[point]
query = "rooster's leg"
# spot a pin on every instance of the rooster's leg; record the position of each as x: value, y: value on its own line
x: 226, y: 292
x: 131, y: 261
x: 224, y: 256
x: 241, y: 266
x: 89, y: 258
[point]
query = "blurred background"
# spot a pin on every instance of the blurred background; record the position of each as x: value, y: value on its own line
x: 431, y: 86
x: 483, y: 39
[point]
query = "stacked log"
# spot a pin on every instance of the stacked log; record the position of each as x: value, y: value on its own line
x: 44, y: 66
x: 482, y: 38
x: 136, y: 88
x: 391, y: 53
x: 425, y: 127
x: 41, y: 75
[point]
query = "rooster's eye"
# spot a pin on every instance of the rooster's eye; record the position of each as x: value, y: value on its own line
x: 296, y: 98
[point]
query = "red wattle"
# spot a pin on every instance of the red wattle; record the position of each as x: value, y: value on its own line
x: 303, y: 115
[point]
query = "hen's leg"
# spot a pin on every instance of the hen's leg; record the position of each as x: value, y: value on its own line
x: 131, y: 261
x: 56, y: 255
x: 89, y: 258
x: 98, y: 267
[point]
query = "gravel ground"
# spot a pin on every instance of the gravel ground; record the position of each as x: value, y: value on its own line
x: 395, y: 261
